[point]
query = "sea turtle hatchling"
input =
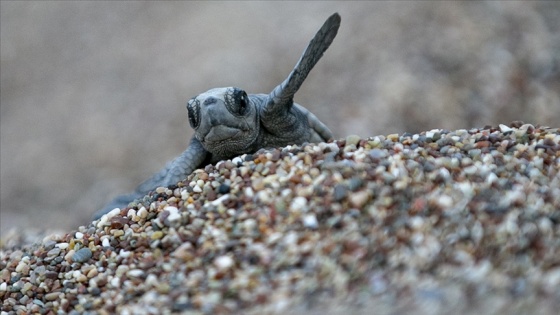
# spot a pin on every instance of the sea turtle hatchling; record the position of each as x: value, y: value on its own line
x: 229, y: 122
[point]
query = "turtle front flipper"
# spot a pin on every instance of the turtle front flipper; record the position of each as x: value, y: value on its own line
x: 281, y: 98
x: 175, y: 171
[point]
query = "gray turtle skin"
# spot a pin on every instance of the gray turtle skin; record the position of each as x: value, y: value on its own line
x: 229, y: 122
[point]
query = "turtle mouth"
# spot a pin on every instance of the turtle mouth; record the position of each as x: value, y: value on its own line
x: 221, y: 133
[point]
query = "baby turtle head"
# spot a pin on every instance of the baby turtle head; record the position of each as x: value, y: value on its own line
x: 225, y: 120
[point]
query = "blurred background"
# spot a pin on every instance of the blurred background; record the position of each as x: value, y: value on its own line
x: 93, y: 94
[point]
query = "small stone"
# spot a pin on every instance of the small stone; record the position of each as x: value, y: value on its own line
x: 26, y: 287
x: 223, y: 189
x: 298, y: 204
x: 50, y: 274
x: 92, y: 273
x: 157, y: 235
x: 135, y: 273
x: 81, y: 278
x: 142, y: 212
x: 355, y: 183
x: 124, y: 254
x: 377, y: 154
x: 62, y: 246
x: 223, y: 263
x: 359, y: 199
x: 82, y: 255
x: 505, y: 129
x: 105, y: 242
x: 393, y: 137
x: 340, y: 192
x: 115, y: 282
x: 184, y: 252
x: 174, y: 214
x: 51, y: 254
x: 352, y: 140
x: 310, y: 221
x: 237, y: 161
x: 52, y: 296
x: 445, y: 202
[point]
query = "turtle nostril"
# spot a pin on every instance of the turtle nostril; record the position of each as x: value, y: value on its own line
x: 209, y: 100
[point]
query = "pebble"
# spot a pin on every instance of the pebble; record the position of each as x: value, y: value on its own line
x: 359, y: 199
x: 426, y: 218
x: 298, y: 204
x: 82, y: 255
x: 310, y: 221
x: 106, y: 242
x: 352, y: 140
x: 52, y: 296
x: 223, y: 263
x: 340, y: 192
x: 135, y: 273
x: 174, y: 215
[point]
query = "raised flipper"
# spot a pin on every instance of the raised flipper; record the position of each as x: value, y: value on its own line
x: 175, y: 171
x: 281, y: 98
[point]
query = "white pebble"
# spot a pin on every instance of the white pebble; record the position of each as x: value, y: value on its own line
x: 264, y: 196
x: 310, y: 221
x: 62, y: 245
x: 250, y: 225
x: 545, y: 225
x: 445, y: 202
x: 105, y: 243
x: 151, y: 280
x: 79, y: 235
x: 416, y: 222
x: 298, y: 204
x: 504, y: 128
x: 115, y: 282
x: 197, y: 189
x: 220, y: 200
x: 236, y: 160
x: 491, y: 178
x: 143, y: 213
x: 223, y: 263
x: 20, y: 266
x: 102, y: 221
x: 131, y: 213
x: 112, y: 213
x: 174, y: 214
x: 135, y: 273
x: 124, y: 254
x: 249, y: 192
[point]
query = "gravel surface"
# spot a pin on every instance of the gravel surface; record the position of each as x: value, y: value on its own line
x: 94, y: 92
x: 440, y: 222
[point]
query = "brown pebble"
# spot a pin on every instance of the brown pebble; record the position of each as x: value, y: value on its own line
x: 483, y: 144
x: 52, y: 296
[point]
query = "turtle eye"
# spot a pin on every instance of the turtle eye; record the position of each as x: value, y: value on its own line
x: 193, y: 109
x: 237, y: 101
x: 243, y: 103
